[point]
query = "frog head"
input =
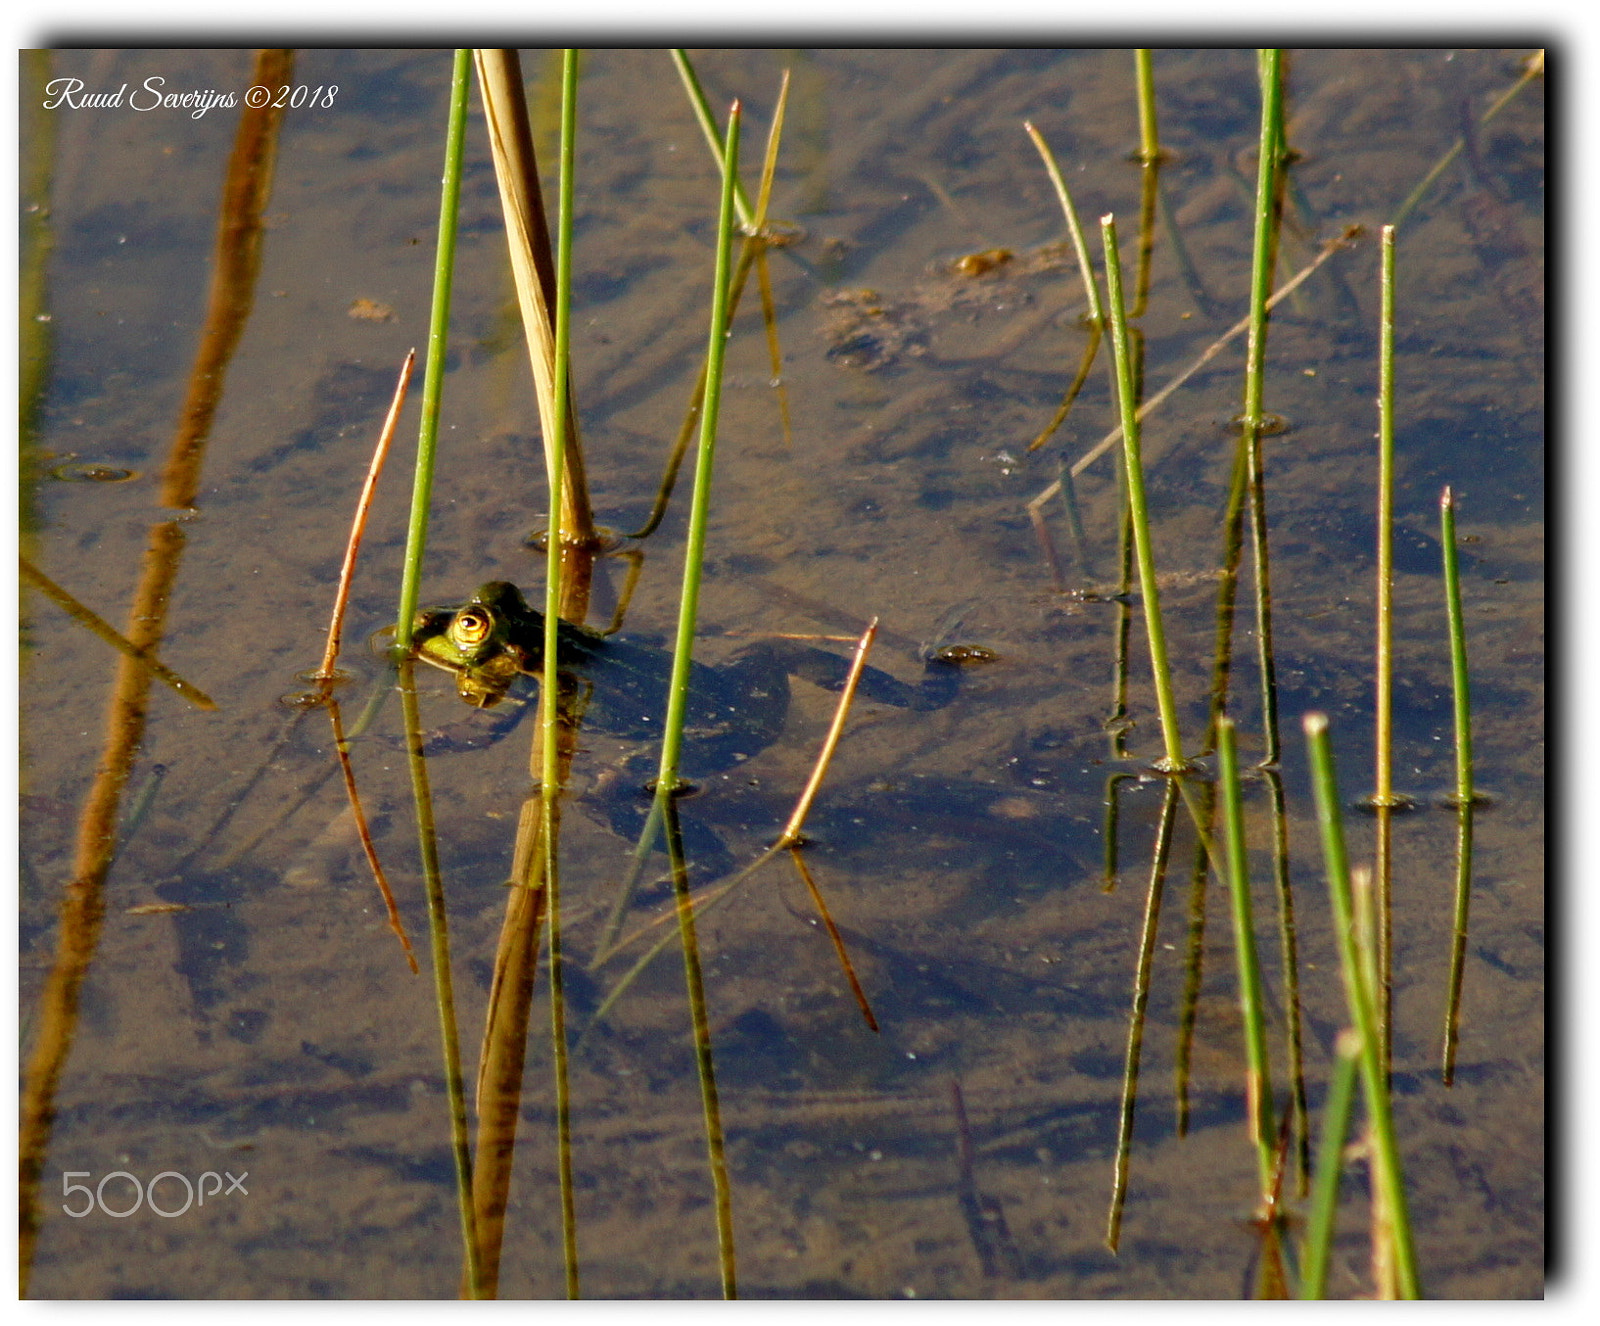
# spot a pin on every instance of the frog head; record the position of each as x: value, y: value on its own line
x: 488, y: 641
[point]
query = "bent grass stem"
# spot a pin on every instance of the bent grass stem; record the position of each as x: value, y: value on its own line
x: 1133, y: 468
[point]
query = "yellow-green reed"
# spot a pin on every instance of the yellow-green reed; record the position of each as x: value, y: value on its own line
x: 1324, y: 1210
x: 1080, y: 246
x: 1258, y: 1081
x: 1133, y: 467
x: 1460, y: 688
x: 1091, y: 293
x: 1383, y: 796
x: 1144, y: 79
x: 1361, y: 999
x: 550, y: 766
x: 1383, y: 790
x: 1465, y: 795
x: 438, y: 338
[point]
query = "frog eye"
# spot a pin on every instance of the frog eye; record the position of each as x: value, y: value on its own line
x: 470, y: 627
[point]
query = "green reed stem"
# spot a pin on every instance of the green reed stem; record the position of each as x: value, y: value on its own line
x: 550, y: 689
x: 699, y: 510
x: 438, y: 338
x: 1465, y: 794
x: 1263, y: 260
x: 1144, y: 78
x: 556, y: 452
x: 416, y: 540
x: 1258, y: 1081
x: 1330, y: 1166
x: 1361, y: 997
x: 1134, y: 469
x: 444, y: 990
x: 1460, y: 688
x: 708, y: 126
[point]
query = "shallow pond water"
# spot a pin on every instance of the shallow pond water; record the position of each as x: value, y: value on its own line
x: 247, y: 1009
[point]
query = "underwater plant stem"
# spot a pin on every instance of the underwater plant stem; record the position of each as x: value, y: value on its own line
x: 1361, y: 999
x: 1535, y: 69
x: 97, y: 625
x: 444, y: 987
x: 1133, y: 467
x: 1136, y: 1018
x: 438, y: 340
x: 1258, y: 1080
x: 1289, y: 951
x: 700, y: 506
x: 694, y: 982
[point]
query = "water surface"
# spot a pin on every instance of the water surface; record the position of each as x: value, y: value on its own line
x: 272, y: 1027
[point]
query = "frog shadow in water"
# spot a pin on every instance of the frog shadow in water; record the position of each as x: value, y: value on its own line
x: 618, y: 686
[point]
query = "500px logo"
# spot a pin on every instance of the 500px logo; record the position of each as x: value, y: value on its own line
x: 145, y: 1195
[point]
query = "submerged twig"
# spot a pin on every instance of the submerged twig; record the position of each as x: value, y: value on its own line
x: 93, y: 622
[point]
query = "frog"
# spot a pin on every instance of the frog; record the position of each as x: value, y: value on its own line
x: 495, y: 640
